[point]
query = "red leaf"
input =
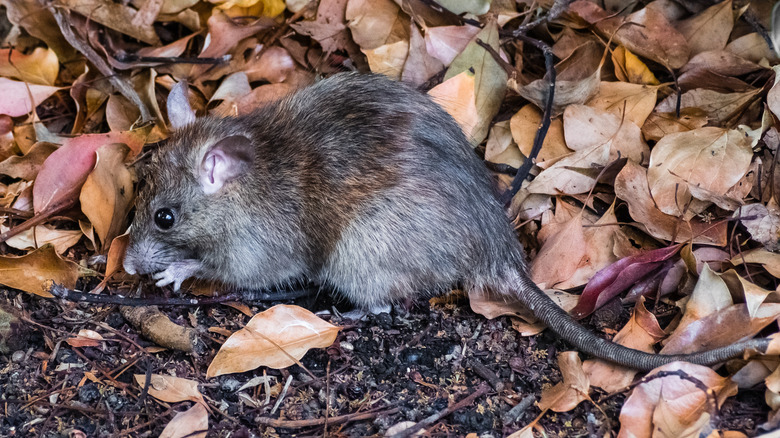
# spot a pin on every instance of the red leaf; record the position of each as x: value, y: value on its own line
x: 619, y: 276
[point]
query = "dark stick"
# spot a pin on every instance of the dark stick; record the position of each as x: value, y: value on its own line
x: 481, y: 390
x: 541, y: 133
x: 62, y: 292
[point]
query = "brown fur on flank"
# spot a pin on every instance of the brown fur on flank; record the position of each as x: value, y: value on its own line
x: 358, y: 183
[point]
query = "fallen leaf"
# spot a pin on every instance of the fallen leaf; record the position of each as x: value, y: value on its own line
x: 116, y: 16
x: 631, y: 186
x: 718, y: 106
x: 376, y: 23
x: 107, y: 194
x: 457, y: 96
x: 572, y: 174
x: 445, y: 43
x: 671, y: 399
x: 632, y: 101
x: 619, y: 276
x: 762, y: 222
x: 32, y: 272
x: 20, y: 98
x: 192, y: 423
x: 574, y: 388
x: 629, y: 68
x: 275, y: 338
x: 585, y: 127
x: 709, y: 29
x: 420, y: 65
x: 524, y: 125
x: 577, y: 81
x: 561, y: 254
x: 85, y: 338
x: 26, y: 167
x: 709, y: 158
x: 641, y: 333
x: 489, y: 78
x: 65, y: 170
x: 171, y: 389
x: 659, y: 125
x: 41, y: 235
x: 39, y: 67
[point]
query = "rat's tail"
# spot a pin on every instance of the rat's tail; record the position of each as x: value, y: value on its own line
x: 586, y: 341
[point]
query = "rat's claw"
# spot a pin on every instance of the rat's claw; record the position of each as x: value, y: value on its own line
x: 176, y: 273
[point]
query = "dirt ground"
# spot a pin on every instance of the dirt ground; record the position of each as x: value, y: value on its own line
x: 389, y: 369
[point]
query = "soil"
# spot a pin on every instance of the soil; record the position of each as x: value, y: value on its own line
x: 382, y: 371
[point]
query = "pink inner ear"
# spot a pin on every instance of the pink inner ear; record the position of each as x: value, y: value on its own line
x: 227, y: 160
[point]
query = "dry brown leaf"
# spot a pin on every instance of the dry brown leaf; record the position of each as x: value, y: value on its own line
x: 768, y: 260
x: 376, y: 23
x: 192, y: 423
x: 720, y: 107
x: 586, y: 127
x: 577, y: 81
x: 572, y: 174
x: 709, y: 158
x: 489, y: 77
x: 669, y: 400
x: 561, y: 254
x: 631, y: 186
x: 26, y: 167
x: 524, y: 125
x: 388, y: 59
x: 275, y: 338
x: 709, y: 29
x: 106, y: 196
x: 752, y: 47
x: 632, y: 101
x: 85, y: 338
x: 457, y: 96
x: 420, y: 65
x: 116, y: 16
x: 646, y: 32
x: 32, y: 272
x: 39, y: 67
x: 330, y: 27
x: 600, y: 242
x: 629, y: 68
x: 641, y: 333
x: 171, y: 389
x: 41, y: 235
x: 773, y: 96
x: 574, y: 388
x: 501, y: 147
x: 762, y: 222
x: 446, y: 42
x: 659, y: 125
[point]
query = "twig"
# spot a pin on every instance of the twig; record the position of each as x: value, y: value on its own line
x: 481, y: 390
x: 297, y: 424
x: 92, y: 56
x: 541, y: 133
x: 64, y: 293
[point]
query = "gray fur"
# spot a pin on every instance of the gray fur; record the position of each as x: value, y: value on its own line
x: 358, y: 183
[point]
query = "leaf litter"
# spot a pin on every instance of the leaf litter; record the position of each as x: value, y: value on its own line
x: 656, y: 175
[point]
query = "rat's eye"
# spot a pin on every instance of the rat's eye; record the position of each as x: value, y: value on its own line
x: 164, y: 218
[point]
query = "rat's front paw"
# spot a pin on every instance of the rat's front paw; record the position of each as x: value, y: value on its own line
x: 176, y: 273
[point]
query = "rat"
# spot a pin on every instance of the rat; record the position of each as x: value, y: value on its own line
x: 358, y: 183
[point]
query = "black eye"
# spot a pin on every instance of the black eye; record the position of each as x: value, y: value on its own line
x: 164, y: 219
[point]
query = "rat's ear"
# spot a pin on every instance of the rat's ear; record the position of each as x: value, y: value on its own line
x: 226, y: 160
x: 180, y: 113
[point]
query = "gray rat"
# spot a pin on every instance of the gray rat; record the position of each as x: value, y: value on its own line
x: 359, y: 183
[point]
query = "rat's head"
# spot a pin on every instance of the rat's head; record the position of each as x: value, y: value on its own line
x: 188, y: 188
